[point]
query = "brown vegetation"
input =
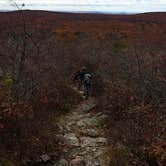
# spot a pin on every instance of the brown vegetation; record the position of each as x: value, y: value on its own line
x: 126, y: 54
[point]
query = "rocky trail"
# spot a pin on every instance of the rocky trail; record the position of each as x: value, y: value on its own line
x: 82, y: 136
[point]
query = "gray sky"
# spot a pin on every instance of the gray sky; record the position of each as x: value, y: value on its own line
x: 106, y: 6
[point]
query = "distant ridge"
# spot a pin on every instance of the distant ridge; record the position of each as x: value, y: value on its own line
x: 85, y: 12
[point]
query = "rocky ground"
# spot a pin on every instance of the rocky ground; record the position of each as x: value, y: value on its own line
x: 82, y: 133
x: 82, y: 137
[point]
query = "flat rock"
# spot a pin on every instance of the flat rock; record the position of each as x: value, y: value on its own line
x: 71, y: 139
x: 92, y: 163
x: 93, y: 142
x: 101, y: 140
x: 90, y: 132
x: 88, y: 105
x: 102, y: 117
x: 78, y: 162
x: 45, y: 157
x: 87, y: 122
x: 63, y: 162
x: 88, y: 142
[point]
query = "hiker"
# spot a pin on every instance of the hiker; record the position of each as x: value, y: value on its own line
x: 83, y: 77
x: 77, y: 79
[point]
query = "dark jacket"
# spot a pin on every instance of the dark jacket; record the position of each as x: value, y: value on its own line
x: 79, y: 76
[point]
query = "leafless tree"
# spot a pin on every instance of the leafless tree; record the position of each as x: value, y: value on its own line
x: 19, y: 40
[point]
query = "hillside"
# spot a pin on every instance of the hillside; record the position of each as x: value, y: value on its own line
x: 45, y: 121
x: 130, y: 26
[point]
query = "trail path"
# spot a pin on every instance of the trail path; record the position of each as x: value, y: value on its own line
x: 83, y: 136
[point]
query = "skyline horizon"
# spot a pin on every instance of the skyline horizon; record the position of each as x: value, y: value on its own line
x: 87, y: 6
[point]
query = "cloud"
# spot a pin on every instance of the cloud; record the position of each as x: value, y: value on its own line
x: 135, y: 6
x: 92, y: 2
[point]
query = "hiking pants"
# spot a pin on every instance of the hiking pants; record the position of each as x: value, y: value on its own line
x: 85, y: 89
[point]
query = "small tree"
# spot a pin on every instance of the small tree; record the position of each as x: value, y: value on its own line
x: 22, y: 45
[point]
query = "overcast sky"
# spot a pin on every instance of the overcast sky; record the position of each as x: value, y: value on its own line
x: 106, y: 6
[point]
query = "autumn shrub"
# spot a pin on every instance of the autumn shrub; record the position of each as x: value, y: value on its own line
x: 117, y: 98
x: 27, y: 128
x: 12, y: 118
x: 119, y: 156
x: 132, y: 122
x: 97, y: 85
x: 156, y: 152
x: 119, y: 46
x: 116, y: 156
x: 155, y: 92
x: 7, y: 81
x: 55, y: 96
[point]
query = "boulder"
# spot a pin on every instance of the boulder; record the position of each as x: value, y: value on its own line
x: 71, y: 139
x: 45, y: 158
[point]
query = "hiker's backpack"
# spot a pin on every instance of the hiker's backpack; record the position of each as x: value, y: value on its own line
x: 87, y: 78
